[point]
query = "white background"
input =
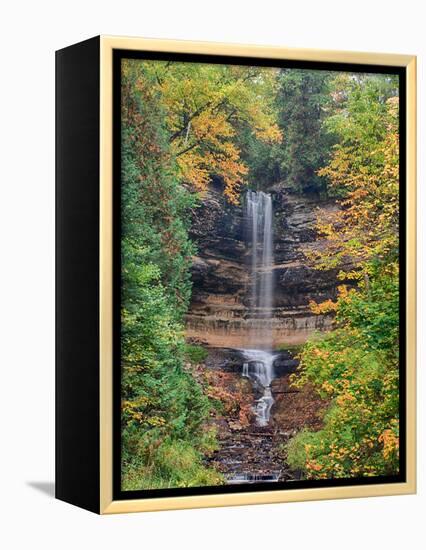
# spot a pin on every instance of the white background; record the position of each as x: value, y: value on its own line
x: 30, y: 32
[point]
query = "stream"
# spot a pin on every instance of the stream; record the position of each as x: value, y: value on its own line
x: 251, y: 456
x: 252, y: 453
x: 259, y: 368
x: 255, y: 449
x: 247, y: 308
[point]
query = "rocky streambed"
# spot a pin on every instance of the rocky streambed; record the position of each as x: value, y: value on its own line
x: 253, y: 453
x: 254, y: 279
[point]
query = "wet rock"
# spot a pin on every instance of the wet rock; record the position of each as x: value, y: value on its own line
x: 295, y: 408
x: 236, y: 426
x: 285, y: 366
x: 219, y: 314
x: 249, y: 453
x: 226, y: 359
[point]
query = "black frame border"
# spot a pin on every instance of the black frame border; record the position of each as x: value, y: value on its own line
x: 401, y: 72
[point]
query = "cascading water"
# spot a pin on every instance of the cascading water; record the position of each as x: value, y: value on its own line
x: 251, y: 458
x: 258, y: 365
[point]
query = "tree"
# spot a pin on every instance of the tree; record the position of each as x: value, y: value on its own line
x: 303, y: 101
x: 163, y: 407
x: 364, y: 173
x: 203, y: 105
x: 356, y: 366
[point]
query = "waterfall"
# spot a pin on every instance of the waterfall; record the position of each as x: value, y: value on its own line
x: 259, y: 222
x: 258, y: 365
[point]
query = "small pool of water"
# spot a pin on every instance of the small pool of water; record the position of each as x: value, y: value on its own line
x: 252, y: 478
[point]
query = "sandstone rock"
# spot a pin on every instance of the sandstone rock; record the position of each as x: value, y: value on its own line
x: 219, y: 314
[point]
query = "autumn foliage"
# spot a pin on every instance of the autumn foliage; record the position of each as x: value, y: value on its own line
x: 187, y: 125
x: 204, y: 105
x: 356, y: 366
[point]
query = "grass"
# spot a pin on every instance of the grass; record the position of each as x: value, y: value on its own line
x: 294, y: 349
x: 175, y: 464
x: 195, y: 354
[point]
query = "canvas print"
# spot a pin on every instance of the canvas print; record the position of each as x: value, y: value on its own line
x: 259, y: 252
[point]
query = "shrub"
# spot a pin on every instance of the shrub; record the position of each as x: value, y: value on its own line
x: 195, y: 354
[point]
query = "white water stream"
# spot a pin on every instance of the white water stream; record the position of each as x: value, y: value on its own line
x: 258, y: 364
x: 259, y: 368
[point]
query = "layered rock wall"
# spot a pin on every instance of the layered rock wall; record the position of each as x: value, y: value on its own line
x: 220, y: 313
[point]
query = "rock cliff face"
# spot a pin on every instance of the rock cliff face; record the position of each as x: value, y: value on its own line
x: 219, y: 315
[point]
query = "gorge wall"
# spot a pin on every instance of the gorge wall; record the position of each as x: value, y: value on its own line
x: 219, y: 314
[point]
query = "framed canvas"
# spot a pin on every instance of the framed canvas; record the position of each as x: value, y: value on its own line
x: 235, y: 274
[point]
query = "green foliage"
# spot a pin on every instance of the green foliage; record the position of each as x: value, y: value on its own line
x: 301, y: 99
x: 163, y: 407
x: 312, y: 109
x: 173, y: 464
x: 262, y: 159
x: 184, y: 124
x: 304, y: 98
x: 294, y: 349
x: 364, y: 173
x: 195, y: 354
x: 360, y: 115
x: 359, y: 110
x: 296, y: 449
x: 204, y: 107
x: 356, y: 366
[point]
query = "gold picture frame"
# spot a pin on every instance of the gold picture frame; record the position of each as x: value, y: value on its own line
x: 107, y: 46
